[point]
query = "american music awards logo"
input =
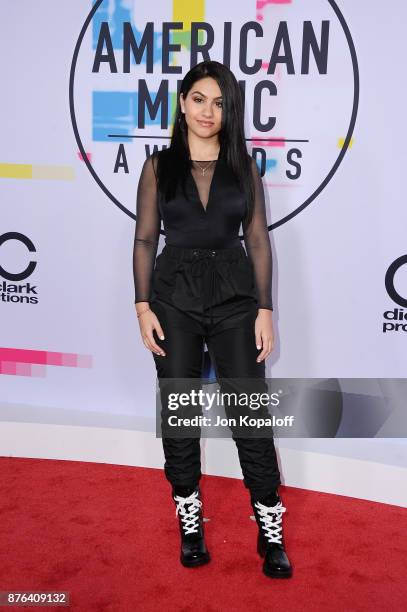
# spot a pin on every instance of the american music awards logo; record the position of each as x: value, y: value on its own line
x: 295, y: 63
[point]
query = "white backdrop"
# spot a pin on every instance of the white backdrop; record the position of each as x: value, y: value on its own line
x: 76, y: 380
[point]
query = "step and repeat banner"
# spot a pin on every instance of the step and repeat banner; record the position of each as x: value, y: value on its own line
x: 88, y: 92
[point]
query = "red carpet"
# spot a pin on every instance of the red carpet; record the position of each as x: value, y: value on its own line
x: 108, y: 535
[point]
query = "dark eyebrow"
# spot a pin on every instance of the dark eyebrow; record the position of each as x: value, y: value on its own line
x: 200, y: 92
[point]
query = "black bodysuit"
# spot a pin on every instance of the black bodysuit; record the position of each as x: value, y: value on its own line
x: 211, y: 219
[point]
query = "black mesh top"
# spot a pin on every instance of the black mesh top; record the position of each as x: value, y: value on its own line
x: 211, y: 219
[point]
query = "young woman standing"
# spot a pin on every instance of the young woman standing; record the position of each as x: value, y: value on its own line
x: 205, y: 287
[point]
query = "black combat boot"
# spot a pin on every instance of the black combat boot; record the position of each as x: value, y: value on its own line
x: 268, y: 513
x: 188, y: 509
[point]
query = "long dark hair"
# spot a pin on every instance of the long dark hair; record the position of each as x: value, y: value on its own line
x: 174, y: 163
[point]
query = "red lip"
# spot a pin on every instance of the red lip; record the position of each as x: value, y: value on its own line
x: 205, y: 123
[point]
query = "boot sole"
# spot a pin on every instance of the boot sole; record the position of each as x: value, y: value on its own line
x: 196, y: 563
x: 277, y: 575
x: 272, y: 574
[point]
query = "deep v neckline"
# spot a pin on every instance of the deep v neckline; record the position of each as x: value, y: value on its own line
x: 204, y: 208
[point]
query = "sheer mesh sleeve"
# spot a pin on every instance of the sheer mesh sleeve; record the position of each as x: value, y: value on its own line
x: 257, y: 243
x: 147, y: 232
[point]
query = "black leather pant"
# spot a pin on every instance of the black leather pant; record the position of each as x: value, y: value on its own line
x: 208, y: 296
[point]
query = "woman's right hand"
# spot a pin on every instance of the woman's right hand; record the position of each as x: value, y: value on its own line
x: 149, y: 322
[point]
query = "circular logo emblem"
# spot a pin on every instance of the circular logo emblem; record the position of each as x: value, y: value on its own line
x: 389, y: 281
x: 29, y: 269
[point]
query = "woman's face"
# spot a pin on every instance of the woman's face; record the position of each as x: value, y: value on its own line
x: 203, y: 108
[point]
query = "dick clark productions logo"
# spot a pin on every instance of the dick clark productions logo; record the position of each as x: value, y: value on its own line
x: 12, y: 289
x: 396, y: 319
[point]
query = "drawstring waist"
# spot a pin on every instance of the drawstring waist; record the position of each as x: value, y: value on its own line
x: 206, y: 260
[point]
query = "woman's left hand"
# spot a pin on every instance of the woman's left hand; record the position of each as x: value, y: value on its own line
x: 263, y: 329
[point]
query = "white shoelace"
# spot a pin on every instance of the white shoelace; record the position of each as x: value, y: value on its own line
x: 271, y: 517
x: 189, y: 518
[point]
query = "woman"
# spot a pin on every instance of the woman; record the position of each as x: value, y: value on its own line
x: 205, y: 287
